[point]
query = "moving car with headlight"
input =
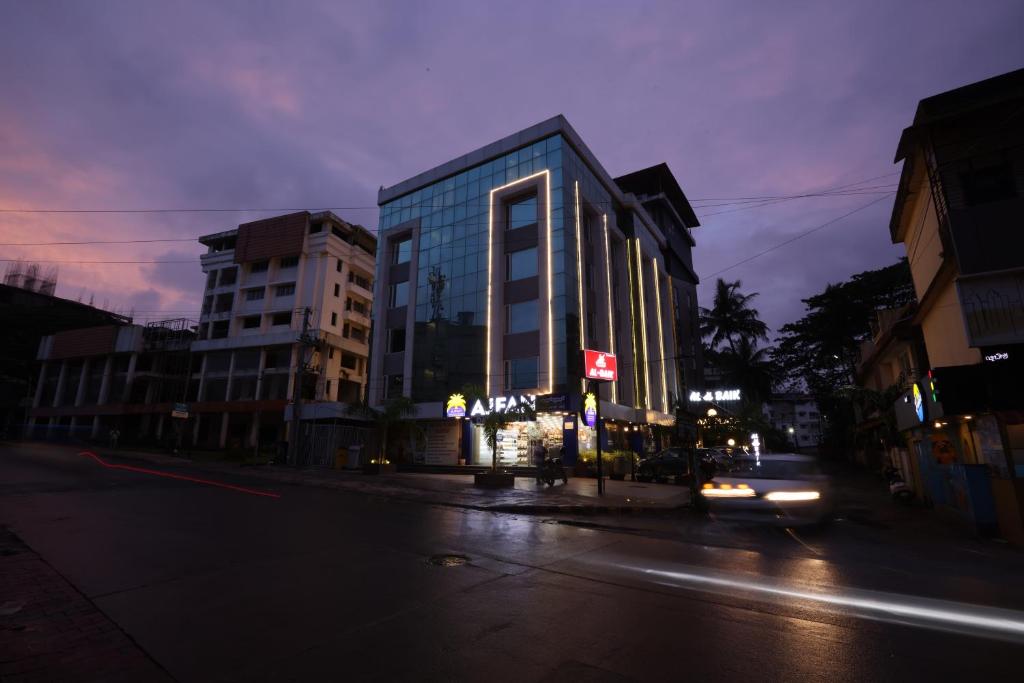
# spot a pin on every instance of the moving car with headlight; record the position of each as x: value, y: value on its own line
x: 785, y: 489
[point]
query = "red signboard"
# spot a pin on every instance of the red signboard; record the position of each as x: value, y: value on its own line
x: 600, y: 366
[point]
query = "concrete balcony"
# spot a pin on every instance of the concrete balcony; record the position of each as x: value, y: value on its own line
x: 355, y: 316
x: 993, y: 307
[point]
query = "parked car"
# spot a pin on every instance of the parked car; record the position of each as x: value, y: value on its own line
x: 670, y: 463
x: 784, y: 489
x: 723, y: 461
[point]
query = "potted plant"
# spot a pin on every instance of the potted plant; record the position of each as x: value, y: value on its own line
x: 391, y: 421
x: 493, y: 423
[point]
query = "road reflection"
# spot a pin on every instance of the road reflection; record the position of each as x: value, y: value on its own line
x: 963, y: 618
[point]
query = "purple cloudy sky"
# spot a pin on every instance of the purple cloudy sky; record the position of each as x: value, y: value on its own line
x: 259, y: 104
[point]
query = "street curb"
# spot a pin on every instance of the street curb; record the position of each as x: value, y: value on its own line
x: 292, y: 478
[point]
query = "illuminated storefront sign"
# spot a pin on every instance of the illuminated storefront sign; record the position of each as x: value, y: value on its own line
x: 456, y: 405
x: 600, y: 366
x: 918, y: 403
x: 755, y: 443
x: 717, y: 395
x: 589, y: 410
x: 997, y: 356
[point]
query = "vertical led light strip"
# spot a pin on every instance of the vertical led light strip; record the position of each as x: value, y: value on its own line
x: 608, y: 286
x: 661, y: 335
x: 632, y: 333
x: 551, y: 297
x: 643, y: 326
x: 579, y: 274
x: 490, y: 275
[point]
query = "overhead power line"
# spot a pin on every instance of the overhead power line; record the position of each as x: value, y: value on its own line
x: 795, y: 238
x: 729, y: 200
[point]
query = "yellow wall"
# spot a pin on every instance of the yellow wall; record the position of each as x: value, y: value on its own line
x: 922, y: 243
x: 944, y: 333
x: 943, y: 325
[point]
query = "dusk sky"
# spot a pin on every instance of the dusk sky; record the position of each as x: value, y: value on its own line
x: 124, y: 105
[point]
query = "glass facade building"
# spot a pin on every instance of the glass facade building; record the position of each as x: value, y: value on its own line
x: 501, y: 265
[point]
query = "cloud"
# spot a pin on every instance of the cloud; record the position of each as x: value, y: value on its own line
x: 243, y: 105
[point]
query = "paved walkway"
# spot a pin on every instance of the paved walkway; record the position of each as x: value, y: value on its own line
x: 49, y: 631
x: 578, y: 496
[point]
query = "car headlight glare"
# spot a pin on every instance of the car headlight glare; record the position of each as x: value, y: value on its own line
x: 792, y: 495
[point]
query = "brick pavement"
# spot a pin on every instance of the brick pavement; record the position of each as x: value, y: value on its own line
x: 49, y: 631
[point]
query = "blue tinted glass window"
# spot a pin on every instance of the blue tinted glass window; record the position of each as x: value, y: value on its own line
x: 523, y: 212
x: 521, y: 373
x: 522, y: 264
x: 399, y: 294
x: 403, y: 251
x: 522, y: 317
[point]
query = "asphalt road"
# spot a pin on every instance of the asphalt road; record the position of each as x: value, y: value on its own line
x: 220, y: 584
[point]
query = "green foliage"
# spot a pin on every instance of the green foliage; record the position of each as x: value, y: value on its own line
x: 747, y: 367
x: 820, y: 351
x: 495, y: 421
x: 730, y: 318
x: 589, y: 457
x: 393, y: 420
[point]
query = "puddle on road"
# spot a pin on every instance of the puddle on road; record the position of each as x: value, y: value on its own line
x: 448, y: 560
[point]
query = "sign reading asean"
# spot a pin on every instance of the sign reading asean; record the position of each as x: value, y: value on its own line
x: 600, y: 366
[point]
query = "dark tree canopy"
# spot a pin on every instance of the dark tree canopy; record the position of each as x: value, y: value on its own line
x: 820, y: 351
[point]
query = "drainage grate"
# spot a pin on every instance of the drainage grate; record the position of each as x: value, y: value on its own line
x: 448, y: 560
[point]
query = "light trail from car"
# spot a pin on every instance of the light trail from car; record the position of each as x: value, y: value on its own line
x: 932, y: 613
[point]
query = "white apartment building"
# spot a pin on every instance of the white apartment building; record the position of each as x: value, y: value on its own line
x: 797, y: 416
x: 265, y: 280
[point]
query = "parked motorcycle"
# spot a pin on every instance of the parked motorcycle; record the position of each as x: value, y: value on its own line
x: 898, y: 489
x: 551, y: 470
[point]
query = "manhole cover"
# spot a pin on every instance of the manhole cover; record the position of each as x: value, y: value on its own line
x: 448, y: 560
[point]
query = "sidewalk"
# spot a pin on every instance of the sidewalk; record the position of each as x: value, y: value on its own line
x: 49, y: 631
x: 578, y: 496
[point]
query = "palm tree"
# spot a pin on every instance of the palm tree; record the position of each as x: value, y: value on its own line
x: 392, y: 420
x: 749, y: 368
x: 731, y: 319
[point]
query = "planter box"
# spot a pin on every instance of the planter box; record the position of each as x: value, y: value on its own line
x: 494, y: 480
x: 375, y: 468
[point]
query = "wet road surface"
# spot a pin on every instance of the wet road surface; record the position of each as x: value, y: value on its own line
x: 219, y: 584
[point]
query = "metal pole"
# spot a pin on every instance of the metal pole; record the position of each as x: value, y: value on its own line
x: 596, y: 388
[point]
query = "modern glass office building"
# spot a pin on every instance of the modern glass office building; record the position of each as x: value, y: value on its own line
x: 496, y: 268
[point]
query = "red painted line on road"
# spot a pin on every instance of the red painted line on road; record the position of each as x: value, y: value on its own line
x: 170, y: 475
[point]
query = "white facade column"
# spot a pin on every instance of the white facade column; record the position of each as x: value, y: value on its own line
x: 108, y: 371
x: 129, y: 378
x: 60, y: 384
x: 258, y: 394
x: 39, y: 386
x: 82, y: 381
x: 231, y: 376
x: 95, y: 432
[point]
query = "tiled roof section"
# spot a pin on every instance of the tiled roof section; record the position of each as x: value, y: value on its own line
x: 271, y: 237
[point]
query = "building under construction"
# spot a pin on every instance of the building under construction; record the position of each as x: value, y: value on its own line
x: 124, y: 379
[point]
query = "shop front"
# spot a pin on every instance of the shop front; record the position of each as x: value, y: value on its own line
x: 958, y: 426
